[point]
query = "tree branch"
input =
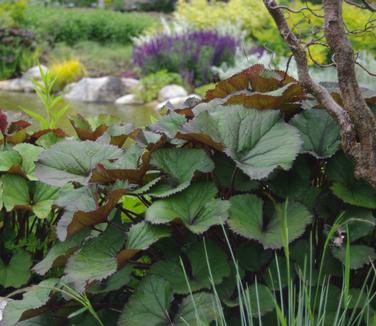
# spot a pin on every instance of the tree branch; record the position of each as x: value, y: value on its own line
x: 340, y: 115
x: 358, y: 138
x: 361, y: 115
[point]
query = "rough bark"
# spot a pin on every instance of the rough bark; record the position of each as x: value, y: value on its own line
x: 356, y: 121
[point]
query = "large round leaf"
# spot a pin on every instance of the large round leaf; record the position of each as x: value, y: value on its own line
x: 195, y: 268
x: 247, y: 219
x: 150, y: 303
x: 360, y: 255
x: 345, y: 186
x: 180, y: 164
x: 319, y: 131
x: 196, y: 207
x: 35, y: 196
x: 197, y: 309
x: 70, y: 160
x: 96, y: 260
x: 258, y: 141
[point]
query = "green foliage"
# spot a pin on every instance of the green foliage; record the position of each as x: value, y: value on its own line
x: 18, y: 51
x: 233, y: 211
x: 66, y: 72
x: 74, y: 25
x: 98, y: 59
x: 153, y: 83
x: 54, y: 111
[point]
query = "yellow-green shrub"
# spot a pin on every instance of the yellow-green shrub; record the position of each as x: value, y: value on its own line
x: 258, y: 24
x: 67, y: 72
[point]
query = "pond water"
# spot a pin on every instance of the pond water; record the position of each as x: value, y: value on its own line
x: 138, y: 115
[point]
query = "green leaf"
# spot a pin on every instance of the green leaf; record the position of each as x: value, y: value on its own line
x: 319, y: 131
x: 199, y: 305
x: 96, y: 260
x: 17, y: 272
x: 180, y: 164
x: 30, y: 155
x: 69, y: 161
x: 258, y: 141
x: 150, y: 302
x: 35, y: 298
x: 60, y: 251
x: 33, y: 195
x: 229, y: 177
x: 360, y: 222
x: 247, y: 219
x: 261, y: 299
x: 142, y: 235
x: 43, y: 122
x: 346, y: 187
x: 252, y: 256
x: 115, y: 281
x: 20, y: 159
x: 82, y: 208
x: 196, y: 207
x: 169, y: 124
x: 360, y: 255
x: 196, y: 268
x: 9, y: 158
x: 276, y: 280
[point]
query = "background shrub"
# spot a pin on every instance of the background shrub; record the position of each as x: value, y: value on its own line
x: 67, y: 72
x: 259, y: 26
x: 191, y: 54
x: 158, y: 5
x: 98, y: 59
x: 151, y: 84
x: 71, y: 26
x: 18, y: 51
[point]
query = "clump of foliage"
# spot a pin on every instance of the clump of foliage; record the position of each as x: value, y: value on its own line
x: 154, y: 82
x: 18, y: 51
x: 191, y: 54
x: 53, y: 105
x: 66, y: 72
x: 234, y: 211
x: 98, y: 59
x: 12, y: 13
x: 158, y: 5
x: 71, y: 25
x: 260, y: 27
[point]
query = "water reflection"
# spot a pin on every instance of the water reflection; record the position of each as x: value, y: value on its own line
x: 138, y: 115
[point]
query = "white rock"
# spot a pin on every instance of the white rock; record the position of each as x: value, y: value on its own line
x: 129, y: 99
x: 16, y: 85
x: 3, y: 303
x: 104, y: 89
x: 170, y: 92
x: 178, y: 102
x: 34, y: 73
x: 131, y: 84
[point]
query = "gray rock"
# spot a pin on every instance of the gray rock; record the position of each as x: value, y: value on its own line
x: 131, y: 85
x: 101, y: 90
x: 34, y: 73
x: 17, y: 85
x: 3, y: 303
x: 129, y: 99
x: 179, y: 102
x: 170, y: 92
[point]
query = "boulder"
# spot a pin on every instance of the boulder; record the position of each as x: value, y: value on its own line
x: 101, y: 90
x: 131, y: 85
x: 180, y: 102
x: 129, y: 99
x: 170, y: 92
x: 34, y: 73
x: 3, y: 303
x: 17, y: 85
